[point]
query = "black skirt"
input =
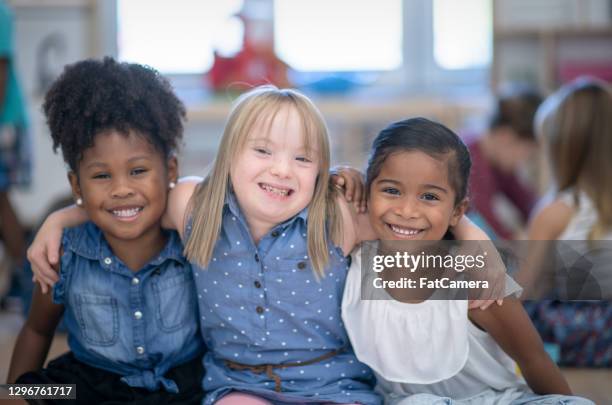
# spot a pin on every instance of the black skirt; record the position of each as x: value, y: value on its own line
x: 96, y: 386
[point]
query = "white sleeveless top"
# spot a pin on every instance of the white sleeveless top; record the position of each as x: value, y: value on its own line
x: 429, y: 347
x: 583, y: 220
x: 577, y: 234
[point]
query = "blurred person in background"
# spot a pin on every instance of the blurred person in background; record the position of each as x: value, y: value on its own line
x: 499, y: 157
x: 574, y: 126
x: 15, y: 164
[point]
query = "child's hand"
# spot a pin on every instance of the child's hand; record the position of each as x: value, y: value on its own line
x: 494, y: 273
x: 351, y: 181
x: 483, y: 304
x: 43, y: 254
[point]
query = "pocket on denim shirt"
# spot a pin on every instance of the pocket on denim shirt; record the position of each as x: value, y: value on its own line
x: 174, y: 301
x: 293, y: 280
x: 98, y: 318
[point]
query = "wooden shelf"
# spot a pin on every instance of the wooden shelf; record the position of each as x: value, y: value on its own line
x: 536, y: 54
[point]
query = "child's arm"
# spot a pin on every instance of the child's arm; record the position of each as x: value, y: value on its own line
x: 33, y: 342
x: 513, y: 331
x: 545, y: 227
x: 178, y: 204
x: 43, y: 253
x: 348, y: 215
x: 496, y: 270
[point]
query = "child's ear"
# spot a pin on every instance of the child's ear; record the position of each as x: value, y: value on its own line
x: 74, y: 184
x: 459, y: 211
x: 172, y: 165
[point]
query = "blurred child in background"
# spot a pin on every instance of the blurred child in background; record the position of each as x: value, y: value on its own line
x: 500, y: 156
x: 575, y: 128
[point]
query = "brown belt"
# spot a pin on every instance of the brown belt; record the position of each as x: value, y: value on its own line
x: 269, y: 368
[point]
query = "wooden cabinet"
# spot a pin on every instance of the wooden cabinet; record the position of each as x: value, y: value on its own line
x: 546, y: 43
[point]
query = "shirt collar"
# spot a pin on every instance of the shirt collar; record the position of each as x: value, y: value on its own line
x: 88, y: 241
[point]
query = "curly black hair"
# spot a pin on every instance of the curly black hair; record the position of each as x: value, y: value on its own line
x: 93, y: 96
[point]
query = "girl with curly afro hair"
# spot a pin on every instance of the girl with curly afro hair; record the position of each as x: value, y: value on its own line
x: 123, y: 286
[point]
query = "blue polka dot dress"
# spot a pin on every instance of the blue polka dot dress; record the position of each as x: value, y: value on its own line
x: 261, y: 304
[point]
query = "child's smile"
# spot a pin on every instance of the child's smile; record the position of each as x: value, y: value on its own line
x: 126, y: 213
x: 404, y: 232
x: 276, y: 191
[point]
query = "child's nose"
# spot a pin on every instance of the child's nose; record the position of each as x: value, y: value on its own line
x: 281, y: 167
x: 406, y: 209
x: 121, y: 188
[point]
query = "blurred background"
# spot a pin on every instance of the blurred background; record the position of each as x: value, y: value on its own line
x: 364, y: 63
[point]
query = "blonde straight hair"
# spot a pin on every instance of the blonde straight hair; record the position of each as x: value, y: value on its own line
x: 576, y: 125
x: 206, y: 204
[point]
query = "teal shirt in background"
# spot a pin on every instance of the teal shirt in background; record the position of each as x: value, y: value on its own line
x: 12, y: 108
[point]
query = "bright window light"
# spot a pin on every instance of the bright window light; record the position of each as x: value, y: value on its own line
x: 339, y: 35
x: 463, y: 32
x: 177, y: 36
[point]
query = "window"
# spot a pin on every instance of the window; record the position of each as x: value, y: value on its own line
x: 409, y: 45
x: 339, y: 35
x: 177, y: 36
x: 462, y: 33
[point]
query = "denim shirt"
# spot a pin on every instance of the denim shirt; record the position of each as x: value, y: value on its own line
x: 135, y: 324
x: 262, y: 304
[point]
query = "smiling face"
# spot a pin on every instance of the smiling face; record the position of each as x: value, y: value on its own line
x: 274, y: 175
x: 412, y: 199
x: 123, y: 181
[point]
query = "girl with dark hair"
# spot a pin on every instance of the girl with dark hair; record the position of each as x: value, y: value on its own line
x: 438, y: 351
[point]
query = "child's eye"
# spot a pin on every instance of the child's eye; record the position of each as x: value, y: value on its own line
x: 303, y: 159
x: 262, y: 151
x: 136, y: 172
x: 430, y: 197
x: 101, y: 176
x: 391, y: 190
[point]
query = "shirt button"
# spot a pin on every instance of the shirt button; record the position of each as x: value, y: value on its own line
x: 140, y: 350
x: 301, y: 265
x: 275, y: 234
x: 137, y: 314
x: 259, y: 310
x: 257, y: 284
x: 108, y: 260
x: 135, y: 281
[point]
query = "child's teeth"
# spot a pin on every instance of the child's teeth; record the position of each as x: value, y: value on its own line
x: 126, y: 213
x: 274, y: 190
x: 404, y: 231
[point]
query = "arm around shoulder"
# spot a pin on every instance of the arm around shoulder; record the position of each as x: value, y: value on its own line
x: 178, y: 204
x: 348, y: 216
x: 43, y: 253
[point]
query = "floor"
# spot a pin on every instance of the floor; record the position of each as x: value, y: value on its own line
x: 594, y: 384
